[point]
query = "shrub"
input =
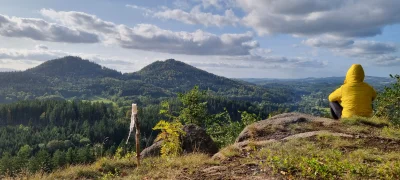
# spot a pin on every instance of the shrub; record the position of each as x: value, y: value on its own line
x: 170, y: 133
x: 388, y: 102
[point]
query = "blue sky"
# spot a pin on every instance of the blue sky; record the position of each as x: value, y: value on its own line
x: 232, y: 38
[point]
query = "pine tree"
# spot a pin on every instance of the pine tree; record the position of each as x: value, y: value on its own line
x: 70, y: 156
x: 6, y: 163
x: 43, y: 159
x: 194, y: 110
x: 59, y: 158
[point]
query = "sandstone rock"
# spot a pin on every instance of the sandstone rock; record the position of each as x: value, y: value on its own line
x: 153, y: 150
x: 279, y: 123
x: 197, y: 140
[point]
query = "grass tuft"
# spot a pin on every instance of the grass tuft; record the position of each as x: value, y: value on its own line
x: 230, y: 151
x: 374, y: 121
x: 392, y: 132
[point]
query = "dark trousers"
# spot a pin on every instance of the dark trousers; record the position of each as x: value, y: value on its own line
x: 336, y: 110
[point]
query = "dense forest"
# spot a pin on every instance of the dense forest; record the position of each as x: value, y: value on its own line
x: 35, y: 134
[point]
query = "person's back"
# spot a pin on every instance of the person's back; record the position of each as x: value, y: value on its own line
x: 355, y: 95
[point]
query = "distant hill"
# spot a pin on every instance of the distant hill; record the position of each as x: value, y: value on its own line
x: 175, y: 76
x: 73, y: 77
x: 312, y: 90
x: 374, y: 81
x: 72, y: 67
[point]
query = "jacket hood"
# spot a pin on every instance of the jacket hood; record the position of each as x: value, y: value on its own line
x: 355, y: 74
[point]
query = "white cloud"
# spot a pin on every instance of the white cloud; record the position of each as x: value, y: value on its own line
x: 218, y: 4
x: 182, y: 4
x: 31, y: 55
x: 365, y: 48
x: 196, y: 16
x: 328, y: 42
x: 152, y: 38
x: 260, y: 52
x: 38, y: 29
x: 387, y: 60
x: 355, y: 18
x: 45, y: 55
x: 212, y: 3
x: 221, y: 65
x: 355, y: 48
x: 280, y: 61
x: 372, y: 51
x: 147, y: 11
x: 41, y: 47
x: 6, y: 69
x: 80, y: 20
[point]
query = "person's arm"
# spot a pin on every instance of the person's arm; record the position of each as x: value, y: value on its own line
x: 336, y: 95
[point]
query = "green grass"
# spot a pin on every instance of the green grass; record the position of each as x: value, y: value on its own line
x: 101, y: 99
x: 374, y: 121
x: 329, y: 158
x: 229, y: 151
x: 392, y: 132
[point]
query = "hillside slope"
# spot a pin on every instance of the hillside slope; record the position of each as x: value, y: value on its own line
x: 174, y: 74
x: 286, y: 146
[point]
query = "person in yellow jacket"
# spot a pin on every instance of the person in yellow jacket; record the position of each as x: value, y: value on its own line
x: 354, y: 97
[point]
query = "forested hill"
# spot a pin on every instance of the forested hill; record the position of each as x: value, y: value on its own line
x: 323, y: 86
x: 73, y: 67
x: 76, y: 78
x: 176, y: 76
x: 374, y: 81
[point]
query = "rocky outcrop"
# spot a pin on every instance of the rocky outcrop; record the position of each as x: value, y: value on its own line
x: 283, y: 125
x: 195, y: 140
x: 153, y: 150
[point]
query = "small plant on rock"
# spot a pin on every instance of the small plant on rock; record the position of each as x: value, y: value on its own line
x: 170, y: 133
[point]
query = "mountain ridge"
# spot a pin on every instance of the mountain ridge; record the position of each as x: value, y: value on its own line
x: 74, y: 77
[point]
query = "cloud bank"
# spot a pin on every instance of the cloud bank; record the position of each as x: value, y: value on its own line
x: 152, y: 38
x: 379, y: 53
x: 38, y: 29
x: 343, y: 18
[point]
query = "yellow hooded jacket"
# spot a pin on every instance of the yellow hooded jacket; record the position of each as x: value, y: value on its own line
x: 355, y: 95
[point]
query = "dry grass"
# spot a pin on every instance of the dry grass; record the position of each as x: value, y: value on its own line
x: 230, y: 151
x: 158, y: 168
x: 151, y: 168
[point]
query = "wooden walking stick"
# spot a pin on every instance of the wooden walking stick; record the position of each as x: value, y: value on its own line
x: 137, y: 135
x: 135, y: 124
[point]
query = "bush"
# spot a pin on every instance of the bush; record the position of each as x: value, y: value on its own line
x: 388, y: 102
x: 170, y: 133
x: 224, y: 131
